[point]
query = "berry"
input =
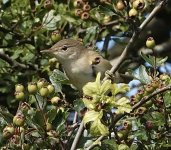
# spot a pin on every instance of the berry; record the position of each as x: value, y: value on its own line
x: 106, y: 19
x: 51, y: 88
x: 8, y: 131
x: 133, y: 13
x: 150, y: 43
x: 138, y: 4
x: 55, y: 100
x: 78, y: 3
x: 86, y: 7
x: 56, y: 36
x: 32, y: 88
x: 48, y: 126
x: 48, y: 4
x: 19, y: 96
x: 41, y: 83
x: 19, y: 88
x: 85, y: 15
x: 44, y: 91
x: 120, y: 5
x: 78, y: 12
x: 19, y: 119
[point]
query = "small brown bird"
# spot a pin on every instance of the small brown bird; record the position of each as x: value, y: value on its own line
x: 80, y: 64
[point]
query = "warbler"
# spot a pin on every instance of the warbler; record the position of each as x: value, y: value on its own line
x: 80, y: 64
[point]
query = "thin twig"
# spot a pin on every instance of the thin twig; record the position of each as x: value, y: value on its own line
x: 77, y: 137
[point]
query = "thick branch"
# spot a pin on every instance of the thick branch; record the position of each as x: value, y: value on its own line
x: 136, y: 35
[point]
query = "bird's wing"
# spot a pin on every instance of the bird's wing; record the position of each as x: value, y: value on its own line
x: 98, y: 63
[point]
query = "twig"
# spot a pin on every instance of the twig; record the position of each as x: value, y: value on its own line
x: 95, y: 143
x: 140, y: 103
x: 136, y: 35
x: 12, y: 62
x: 77, y: 137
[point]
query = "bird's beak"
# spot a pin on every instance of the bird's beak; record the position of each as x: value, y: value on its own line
x: 46, y: 51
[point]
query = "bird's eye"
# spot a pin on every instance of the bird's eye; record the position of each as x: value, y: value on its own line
x: 64, y: 48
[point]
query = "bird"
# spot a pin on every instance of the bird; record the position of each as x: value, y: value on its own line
x: 80, y: 64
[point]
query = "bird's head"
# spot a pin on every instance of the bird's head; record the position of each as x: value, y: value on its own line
x: 64, y: 50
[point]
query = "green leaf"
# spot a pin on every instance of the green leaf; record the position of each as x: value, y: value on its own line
x: 167, y: 98
x: 92, y: 116
x: 123, y: 147
x: 51, y: 114
x: 106, y: 11
x: 97, y: 128
x: 90, y: 34
x: 160, y: 61
x: 39, y: 119
x: 50, y: 20
x: 142, y: 75
x: 57, y: 79
x: 149, y: 59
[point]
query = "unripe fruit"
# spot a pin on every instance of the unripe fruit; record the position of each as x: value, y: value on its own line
x: 19, y: 119
x: 19, y: 96
x: 106, y: 19
x: 78, y: 12
x: 32, y: 88
x: 44, y: 91
x: 25, y: 106
x: 133, y: 13
x: 48, y: 4
x: 138, y: 4
x: 8, y: 132
x: 55, y: 100
x: 141, y: 110
x: 52, y: 133
x: 85, y: 15
x: 41, y: 83
x: 149, y: 88
x: 19, y: 88
x: 78, y: 3
x: 48, y: 126
x: 150, y: 43
x: 52, y: 60
x: 51, y: 88
x: 120, y: 5
x: 56, y: 36
x: 164, y: 77
x: 86, y: 7
x: 127, y: 125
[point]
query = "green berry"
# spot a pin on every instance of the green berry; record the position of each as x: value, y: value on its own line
x: 19, y: 119
x: 51, y: 88
x: 8, y: 131
x: 56, y: 36
x: 78, y: 3
x: 150, y: 43
x: 138, y: 4
x: 19, y: 88
x: 55, y: 100
x: 48, y: 126
x: 41, y: 83
x: 78, y: 12
x: 19, y: 96
x: 48, y: 4
x: 133, y: 13
x: 32, y: 88
x: 44, y: 91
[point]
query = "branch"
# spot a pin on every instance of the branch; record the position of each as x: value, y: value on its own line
x: 143, y: 101
x: 77, y: 137
x: 14, y: 63
x: 136, y: 35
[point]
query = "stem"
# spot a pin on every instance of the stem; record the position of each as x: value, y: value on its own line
x: 77, y: 137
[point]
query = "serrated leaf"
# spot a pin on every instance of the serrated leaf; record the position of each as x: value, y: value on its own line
x: 160, y: 61
x: 92, y: 116
x: 142, y: 75
x: 51, y: 114
x: 150, y: 60
x: 97, y: 128
x: 50, y: 20
x: 39, y: 119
